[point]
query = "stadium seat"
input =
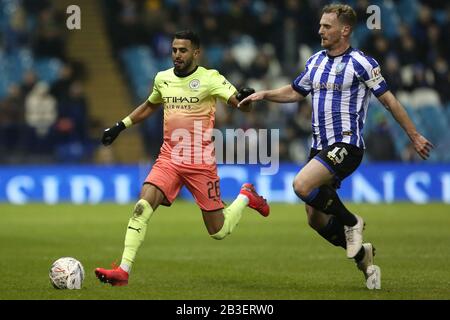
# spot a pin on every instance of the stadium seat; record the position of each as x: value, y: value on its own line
x: 424, y: 97
x: 48, y: 69
x: 407, y: 73
x: 440, y: 16
x: 4, y: 75
x: 435, y: 122
x: 447, y: 111
x: 404, y: 97
x: 390, y: 20
x: 374, y: 113
x: 164, y: 63
x: 3, y: 87
x: 360, y: 35
x: 141, y: 68
x: 407, y: 11
x: 401, y: 138
x: 18, y: 63
x: 214, y: 55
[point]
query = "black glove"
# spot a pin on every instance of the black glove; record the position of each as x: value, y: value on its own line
x: 244, y: 93
x: 110, y: 134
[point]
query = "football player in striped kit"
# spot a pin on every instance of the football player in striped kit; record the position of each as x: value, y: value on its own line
x: 340, y: 80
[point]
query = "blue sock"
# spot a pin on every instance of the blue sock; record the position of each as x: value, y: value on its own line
x: 327, y: 200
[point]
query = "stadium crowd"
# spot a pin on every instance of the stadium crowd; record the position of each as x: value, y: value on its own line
x: 257, y: 43
x: 43, y: 110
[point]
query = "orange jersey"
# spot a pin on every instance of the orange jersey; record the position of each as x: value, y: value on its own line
x: 189, y: 112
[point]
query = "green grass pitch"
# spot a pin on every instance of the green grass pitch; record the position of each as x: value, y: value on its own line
x: 278, y: 257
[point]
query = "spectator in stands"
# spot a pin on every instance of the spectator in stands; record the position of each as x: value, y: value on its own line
x: 34, y: 7
x: 299, y: 131
x: 210, y: 30
x: 445, y: 44
x: 422, y: 77
x: 361, y: 10
x: 434, y: 45
x: 232, y: 69
x: 72, y: 116
x: 40, y: 116
x: 300, y: 122
x: 442, y: 78
x: 49, y: 41
x: 28, y: 83
x: 28, y: 111
x: 130, y: 30
x: 378, y: 47
x: 16, y: 35
x: 60, y: 88
x: 283, y: 24
x: 419, y: 30
x: 162, y: 40
x: 11, y: 119
x: 392, y: 73
x: 407, y: 49
x: 268, y: 24
x: 259, y: 67
x: 379, y: 142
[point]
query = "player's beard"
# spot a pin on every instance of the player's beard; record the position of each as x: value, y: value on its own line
x: 326, y: 44
x: 184, y: 67
x: 330, y: 43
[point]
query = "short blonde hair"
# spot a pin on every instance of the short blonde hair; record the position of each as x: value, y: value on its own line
x: 344, y: 12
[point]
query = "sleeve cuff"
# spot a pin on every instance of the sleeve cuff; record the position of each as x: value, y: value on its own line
x: 300, y: 90
x: 380, y: 91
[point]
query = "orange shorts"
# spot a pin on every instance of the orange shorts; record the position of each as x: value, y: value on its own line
x: 201, y: 181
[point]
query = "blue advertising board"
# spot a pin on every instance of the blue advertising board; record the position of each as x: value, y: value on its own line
x: 374, y: 183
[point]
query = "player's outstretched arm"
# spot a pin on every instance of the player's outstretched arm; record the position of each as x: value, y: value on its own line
x: 420, y: 143
x: 283, y: 94
x: 239, y: 96
x: 138, y: 115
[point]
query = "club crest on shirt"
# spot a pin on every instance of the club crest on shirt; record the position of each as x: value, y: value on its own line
x: 194, y: 84
x: 340, y: 67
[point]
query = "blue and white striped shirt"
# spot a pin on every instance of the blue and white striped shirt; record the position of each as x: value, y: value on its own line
x: 340, y: 88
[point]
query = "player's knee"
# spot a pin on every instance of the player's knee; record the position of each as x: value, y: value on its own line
x: 152, y: 195
x: 300, y: 189
x: 142, y: 210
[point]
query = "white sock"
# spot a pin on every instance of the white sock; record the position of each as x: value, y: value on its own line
x: 125, y: 267
x: 243, y: 197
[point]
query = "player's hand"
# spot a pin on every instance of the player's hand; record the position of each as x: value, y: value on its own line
x: 422, y: 146
x: 110, y: 134
x: 244, y: 93
x: 257, y: 96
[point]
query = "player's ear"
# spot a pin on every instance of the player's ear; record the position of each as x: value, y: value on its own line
x: 346, y: 30
x: 196, y: 53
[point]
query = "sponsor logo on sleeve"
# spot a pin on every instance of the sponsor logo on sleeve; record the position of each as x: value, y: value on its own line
x: 376, y: 73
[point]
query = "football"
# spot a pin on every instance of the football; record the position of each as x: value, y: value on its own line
x: 66, y: 273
